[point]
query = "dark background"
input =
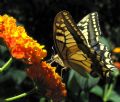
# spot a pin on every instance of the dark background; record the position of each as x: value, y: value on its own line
x: 37, y: 17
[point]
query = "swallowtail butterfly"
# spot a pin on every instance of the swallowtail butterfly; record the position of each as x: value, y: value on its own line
x: 78, y: 45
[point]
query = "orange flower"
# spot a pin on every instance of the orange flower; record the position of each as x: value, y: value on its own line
x: 20, y: 45
x: 48, y: 81
x: 116, y: 50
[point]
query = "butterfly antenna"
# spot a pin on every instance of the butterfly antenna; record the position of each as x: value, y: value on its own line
x: 53, y: 50
x: 51, y: 60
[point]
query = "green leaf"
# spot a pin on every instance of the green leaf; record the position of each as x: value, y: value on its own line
x: 77, y: 82
x: 71, y: 75
x: 114, y: 97
x: 86, y: 82
x: 3, y: 49
x: 72, y: 83
x: 97, y: 90
x: 17, y: 75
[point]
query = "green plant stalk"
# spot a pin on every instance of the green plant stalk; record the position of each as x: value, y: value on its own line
x: 16, y: 97
x: 108, y: 89
x: 6, y: 65
x: 108, y: 92
x: 19, y: 96
x: 110, y: 86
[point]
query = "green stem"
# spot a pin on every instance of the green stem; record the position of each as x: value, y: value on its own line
x: 16, y: 97
x: 6, y: 65
x: 110, y: 85
x: 108, y: 89
x: 108, y: 92
x: 19, y: 96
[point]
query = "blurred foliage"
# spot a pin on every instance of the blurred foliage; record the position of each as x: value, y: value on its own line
x: 37, y: 16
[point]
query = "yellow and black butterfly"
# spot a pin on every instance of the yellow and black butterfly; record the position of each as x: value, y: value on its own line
x: 78, y: 46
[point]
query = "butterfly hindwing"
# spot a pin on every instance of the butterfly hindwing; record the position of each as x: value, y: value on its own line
x: 90, y: 28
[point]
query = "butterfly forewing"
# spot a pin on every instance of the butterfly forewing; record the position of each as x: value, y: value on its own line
x: 66, y: 46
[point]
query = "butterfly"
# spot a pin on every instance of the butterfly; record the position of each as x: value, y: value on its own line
x: 78, y: 46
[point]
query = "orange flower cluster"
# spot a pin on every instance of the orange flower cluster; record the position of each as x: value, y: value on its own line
x: 49, y: 82
x: 20, y: 45
x: 23, y: 47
